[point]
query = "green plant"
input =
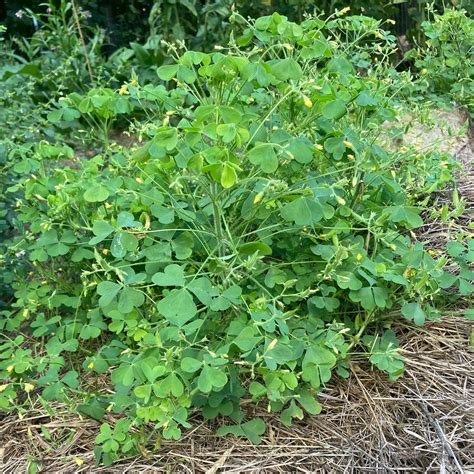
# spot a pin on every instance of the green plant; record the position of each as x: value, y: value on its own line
x: 445, y: 61
x: 257, y: 236
x: 35, y: 72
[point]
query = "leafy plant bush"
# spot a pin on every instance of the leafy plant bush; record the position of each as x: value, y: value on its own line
x: 446, y: 61
x: 257, y: 235
x: 33, y: 73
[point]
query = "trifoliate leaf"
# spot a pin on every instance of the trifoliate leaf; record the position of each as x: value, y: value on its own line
x: 177, y: 307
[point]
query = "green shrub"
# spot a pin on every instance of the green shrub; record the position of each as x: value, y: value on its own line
x: 257, y: 235
x: 446, y: 61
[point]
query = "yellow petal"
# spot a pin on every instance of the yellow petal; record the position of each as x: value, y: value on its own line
x: 258, y: 198
x: 308, y: 102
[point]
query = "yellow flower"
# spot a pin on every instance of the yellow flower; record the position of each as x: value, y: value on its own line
x: 44, y: 282
x: 412, y: 272
x: 318, y: 146
x: 272, y: 344
x: 124, y: 90
x: 348, y: 144
x: 170, y: 113
x: 359, y: 257
x: 288, y: 47
x: 79, y: 461
x: 341, y: 200
x: 139, y: 180
x: 308, y: 102
x: 29, y: 387
x: 108, y: 205
x: 258, y: 198
x: 3, y: 388
x: 10, y: 369
x: 166, y: 121
x: 91, y: 365
x: 431, y: 252
x: 133, y: 82
x: 354, y: 181
x: 105, y: 251
x: 379, y: 35
x: 392, y: 22
x: 345, y: 10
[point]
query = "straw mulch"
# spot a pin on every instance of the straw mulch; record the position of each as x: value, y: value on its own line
x: 423, y: 422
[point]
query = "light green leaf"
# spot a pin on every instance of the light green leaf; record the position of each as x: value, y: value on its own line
x: 285, y: 69
x: 108, y: 291
x: 122, y: 243
x: 264, y: 155
x: 251, y: 247
x: 305, y: 211
x: 130, y: 298
x: 177, y: 307
x: 96, y: 193
x: 414, y: 312
x: 183, y: 245
x: 173, y: 275
x: 190, y: 365
x: 211, y: 377
x: 228, y: 176
x: 335, y: 109
x: 309, y: 402
x: 101, y: 230
x: 370, y: 297
x: 317, y: 364
x: 166, y: 73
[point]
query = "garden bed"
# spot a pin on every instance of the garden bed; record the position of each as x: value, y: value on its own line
x: 423, y: 422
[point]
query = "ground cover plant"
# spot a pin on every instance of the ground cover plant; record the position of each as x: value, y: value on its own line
x: 257, y: 235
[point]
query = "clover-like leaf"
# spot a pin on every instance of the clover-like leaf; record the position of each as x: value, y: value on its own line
x: 252, y: 430
x: 414, y: 312
x: 264, y: 156
x: 177, y: 307
x: 173, y: 275
x: 306, y: 211
x: 108, y: 290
